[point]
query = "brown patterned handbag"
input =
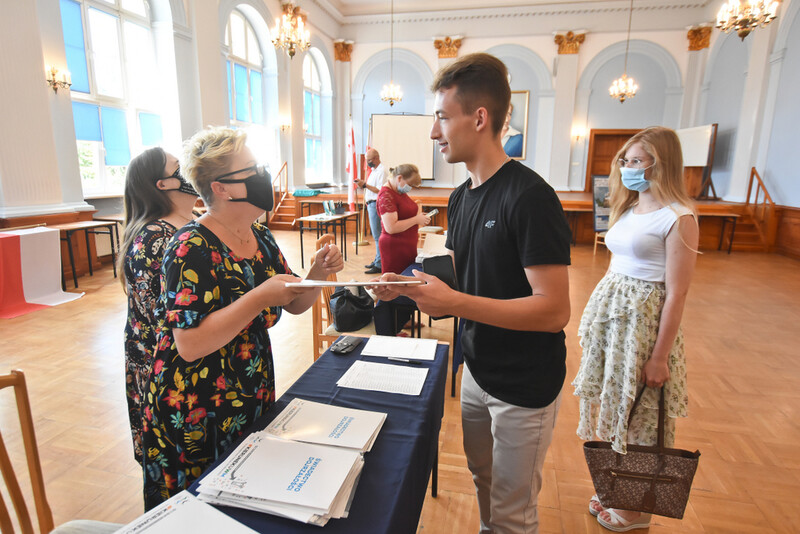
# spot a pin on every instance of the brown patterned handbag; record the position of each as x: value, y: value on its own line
x: 653, y: 480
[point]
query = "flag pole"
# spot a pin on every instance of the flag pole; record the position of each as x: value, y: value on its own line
x: 360, y: 241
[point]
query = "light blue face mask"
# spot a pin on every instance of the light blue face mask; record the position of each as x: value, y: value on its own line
x: 633, y: 179
x: 403, y: 189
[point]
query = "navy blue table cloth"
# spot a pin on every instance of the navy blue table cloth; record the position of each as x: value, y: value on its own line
x: 393, y: 484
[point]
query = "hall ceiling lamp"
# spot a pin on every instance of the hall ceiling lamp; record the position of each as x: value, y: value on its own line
x: 624, y: 87
x: 290, y: 30
x: 391, y: 93
x: 745, y: 16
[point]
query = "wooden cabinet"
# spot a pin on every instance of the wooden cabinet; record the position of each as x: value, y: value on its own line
x: 603, y: 146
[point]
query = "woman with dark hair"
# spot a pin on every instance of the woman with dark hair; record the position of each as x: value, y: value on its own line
x: 157, y: 202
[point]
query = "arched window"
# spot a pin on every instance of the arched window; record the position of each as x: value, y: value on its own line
x: 115, y: 93
x: 244, y: 65
x: 312, y: 123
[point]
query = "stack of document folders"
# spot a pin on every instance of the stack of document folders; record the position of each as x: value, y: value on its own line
x: 304, y: 466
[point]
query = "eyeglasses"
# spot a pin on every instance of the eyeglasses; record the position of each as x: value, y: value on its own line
x: 636, y: 163
x: 258, y: 170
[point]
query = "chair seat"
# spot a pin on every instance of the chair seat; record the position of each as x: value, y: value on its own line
x: 431, y: 229
x: 368, y: 330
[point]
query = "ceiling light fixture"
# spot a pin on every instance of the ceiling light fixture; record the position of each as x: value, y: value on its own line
x: 745, y: 16
x: 624, y: 87
x: 290, y: 30
x: 391, y: 93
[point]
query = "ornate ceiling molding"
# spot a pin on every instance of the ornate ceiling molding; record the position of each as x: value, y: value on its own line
x: 569, y: 43
x: 342, y: 50
x: 699, y: 38
x: 447, y: 47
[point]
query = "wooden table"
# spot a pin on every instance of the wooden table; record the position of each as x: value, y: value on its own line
x: 118, y: 218
x: 321, y: 224
x: 87, y: 227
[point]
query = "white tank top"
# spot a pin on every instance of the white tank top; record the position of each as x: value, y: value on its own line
x: 638, y: 242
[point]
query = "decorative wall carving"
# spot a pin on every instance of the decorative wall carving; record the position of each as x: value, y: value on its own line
x: 342, y: 50
x: 570, y: 42
x: 447, y: 47
x: 699, y: 38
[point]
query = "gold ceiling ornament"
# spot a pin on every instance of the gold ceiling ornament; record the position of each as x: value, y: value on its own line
x: 569, y: 43
x: 290, y: 30
x: 391, y: 93
x: 342, y: 50
x: 745, y: 16
x: 447, y: 47
x: 699, y: 38
x: 624, y: 88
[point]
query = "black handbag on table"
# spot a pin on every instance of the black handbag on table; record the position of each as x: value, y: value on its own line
x: 351, y: 312
x: 653, y: 480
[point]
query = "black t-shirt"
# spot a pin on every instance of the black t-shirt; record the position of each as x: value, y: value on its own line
x: 512, y: 221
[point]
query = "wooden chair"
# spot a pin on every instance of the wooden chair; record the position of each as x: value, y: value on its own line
x: 44, y: 514
x: 425, y: 231
x: 599, y: 238
x: 324, y: 333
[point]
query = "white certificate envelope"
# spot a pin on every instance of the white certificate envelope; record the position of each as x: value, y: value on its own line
x: 342, y: 283
x: 184, y: 513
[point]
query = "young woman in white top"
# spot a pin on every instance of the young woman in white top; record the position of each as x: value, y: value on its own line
x: 630, y: 330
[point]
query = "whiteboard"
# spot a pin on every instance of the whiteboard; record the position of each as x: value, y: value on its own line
x: 404, y: 139
x: 695, y: 144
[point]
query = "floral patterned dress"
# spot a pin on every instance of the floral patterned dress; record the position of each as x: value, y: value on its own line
x: 143, y: 280
x: 195, y: 410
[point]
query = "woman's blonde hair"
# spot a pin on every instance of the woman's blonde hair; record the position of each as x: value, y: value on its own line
x: 666, y: 175
x: 205, y: 156
x: 409, y: 172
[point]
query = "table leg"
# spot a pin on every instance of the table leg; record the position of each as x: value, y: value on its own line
x: 113, y: 252
x: 88, y: 251
x: 733, y: 231
x: 435, y: 474
x: 302, y: 266
x: 344, y: 237
x: 71, y: 257
x: 723, y: 224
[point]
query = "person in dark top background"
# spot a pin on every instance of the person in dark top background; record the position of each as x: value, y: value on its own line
x: 509, y: 241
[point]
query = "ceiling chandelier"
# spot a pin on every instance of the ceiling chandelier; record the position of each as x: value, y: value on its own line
x: 745, y: 16
x: 290, y: 30
x: 391, y: 93
x: 624, y: 87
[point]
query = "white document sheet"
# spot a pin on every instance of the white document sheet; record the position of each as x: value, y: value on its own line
x: 326, y: 424
x: 409, y: 348
x: 351, y: 283
x: 385, y: 377
x: 184, y: 513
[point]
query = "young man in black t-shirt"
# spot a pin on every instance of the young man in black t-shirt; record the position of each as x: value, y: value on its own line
x: 510, y: 244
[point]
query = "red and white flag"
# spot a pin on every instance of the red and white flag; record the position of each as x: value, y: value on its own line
x: 351, y: 168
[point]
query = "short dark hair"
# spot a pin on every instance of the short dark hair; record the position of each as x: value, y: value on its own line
x: 480, y: 80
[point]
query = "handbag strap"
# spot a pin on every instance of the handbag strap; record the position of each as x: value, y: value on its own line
x: 661, y: 411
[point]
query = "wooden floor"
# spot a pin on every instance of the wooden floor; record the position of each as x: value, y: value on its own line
x: 741, y: 324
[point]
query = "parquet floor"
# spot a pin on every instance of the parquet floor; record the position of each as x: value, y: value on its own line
x: 741, y: 327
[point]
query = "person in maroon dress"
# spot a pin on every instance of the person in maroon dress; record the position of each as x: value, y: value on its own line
x: 401, y: 218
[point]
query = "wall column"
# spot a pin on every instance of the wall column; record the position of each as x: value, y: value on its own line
x: 343, y: 80
x: 447, y: 174
x: 699, y: 38
x: 752, y: 112
x: 566, y: 82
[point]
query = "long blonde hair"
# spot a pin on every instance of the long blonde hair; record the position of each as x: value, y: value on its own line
x: 666, y: 176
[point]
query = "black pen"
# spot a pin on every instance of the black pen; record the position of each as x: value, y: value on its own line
x: 413, y: 362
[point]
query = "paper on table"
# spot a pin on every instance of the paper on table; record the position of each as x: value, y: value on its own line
x: 409, y: 348
x: 342, y: 283
x: 384, y: 377
x: 184, y: 513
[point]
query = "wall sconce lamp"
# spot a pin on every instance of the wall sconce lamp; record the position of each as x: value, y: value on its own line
x: 57, y: 79
x: 578, y: 132
x: 285, y: 125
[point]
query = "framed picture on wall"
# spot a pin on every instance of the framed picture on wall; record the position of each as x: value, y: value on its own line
x: 515, y: 129
x: 601, y: 205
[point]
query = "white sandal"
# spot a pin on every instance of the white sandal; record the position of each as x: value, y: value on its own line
x: 643, y: 521
x: 592, y: 510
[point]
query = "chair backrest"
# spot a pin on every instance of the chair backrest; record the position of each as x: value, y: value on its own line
x: 16, y: 379
x: 434, y: 243
x: 321, y: 309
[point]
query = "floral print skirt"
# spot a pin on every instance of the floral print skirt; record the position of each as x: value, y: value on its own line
x: 618, y: 331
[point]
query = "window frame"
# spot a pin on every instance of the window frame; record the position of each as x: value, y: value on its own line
x: 313, y: 173
x: 232, y: 60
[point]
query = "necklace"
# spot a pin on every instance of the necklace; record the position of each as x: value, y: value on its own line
x: 241, y: 241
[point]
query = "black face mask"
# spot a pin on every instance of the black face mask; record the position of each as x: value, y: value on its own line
x: 258, y: 185
x: 185, y: 186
